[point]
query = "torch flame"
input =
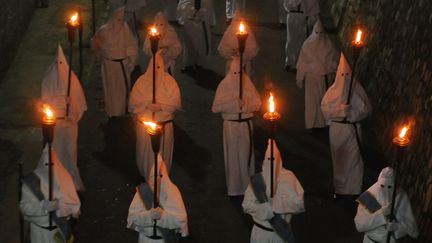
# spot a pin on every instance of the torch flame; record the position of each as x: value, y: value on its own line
x: 271, y: 103
x: 153, y: 31
x: 358, y: 36
x: 151, y: 125
x: 403, y: 132
x: 241, y: 28
x: 73, y: 19
x: 48, y: 114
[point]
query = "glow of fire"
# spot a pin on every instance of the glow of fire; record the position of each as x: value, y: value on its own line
x: 242, y: 28
x: 153, y: 31
x: 48, y: 117
x: 151, y: 125
x: 403, y: 132
x: 358, y: 36
x: 73, y: 19
x: 271, y: 103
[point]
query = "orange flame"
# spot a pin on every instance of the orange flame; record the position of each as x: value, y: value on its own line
x: 48, y: 115
x: 358, y: 39
x: 73, y: 20
x: 242, y: 29
x: 151, y: 125
x: 153, y: 31
x: 271, y: 103
x: 403, y: 132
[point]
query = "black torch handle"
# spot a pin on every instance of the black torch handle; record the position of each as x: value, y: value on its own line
x: 80, y: 35
x: 21, y: 219
x: 392, y: 212
x: 154, y: 83
x: 50, y: 183
x: 155, y: 191
x: 241, y: 82
x: 69, y: 77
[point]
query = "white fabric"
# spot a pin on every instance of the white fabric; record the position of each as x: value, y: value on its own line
x: 374, y: 224
x: 169, y: 43
x: 170, y: 200
x: 318, y: 57
x: 170, y: 9
x: 63, y: 190
x: 296, y: 34
x: 168, y: 97
x: 114, y: 40
x: 228, y: 46
x: 232, y: 7
x: 347, y: 161
x: 54, y: 92
x: 236, y: 134
x: 196, y: 24
x: 287, y: 199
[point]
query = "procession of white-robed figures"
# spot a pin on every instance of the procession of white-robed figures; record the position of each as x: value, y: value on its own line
x: 273, y: 194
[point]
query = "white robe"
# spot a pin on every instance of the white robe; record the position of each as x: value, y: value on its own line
x: 168, y: 97
x: 54, y: 92
x: 114, y: 40
x: 234, y: 6
x: 174, y: 212
x: 374, y: 224
x: 196, y: 24
x: 287, y: 199
x: 228, y: 46
x: 169, y: 43
x: 347, y: 160
x: 236, y: 134
x: 63, y: 190
x: 318, y: 57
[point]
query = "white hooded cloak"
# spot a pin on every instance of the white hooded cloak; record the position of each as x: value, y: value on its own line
x: 318, y: 57
x: 297, y: 26
x: 236, y: 134
x: 169, y: 43
x: 287, y: 198
x: 63, y: 190
x: 347, y: 160
x: 374, y: 224
x: 114, y: 41
x: 54, y: 92
x: 168, y: 97
x: 170, y: 200
x: 228, y: 47
x: 196, y: 30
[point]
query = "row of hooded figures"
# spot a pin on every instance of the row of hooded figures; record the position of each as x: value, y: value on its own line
x: 270, y: 207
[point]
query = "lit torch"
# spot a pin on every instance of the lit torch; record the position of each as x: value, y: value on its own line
x: 48, y: 124
x: 272, y: 116
x: 72, y: 25
x: 401, y: 141
x: 242, y: 36
x: 154, y: 130
x: 356, y: 45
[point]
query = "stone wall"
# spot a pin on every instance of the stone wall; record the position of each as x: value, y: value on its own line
x: 14, y: 18
x: 396, y: 69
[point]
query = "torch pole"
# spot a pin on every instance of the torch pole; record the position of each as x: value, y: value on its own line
x: 71, y: 34
x: 272, y: 137
x: 155, y: 136
x: 50, y: 182
x: 241, y: 38
x: 154, y: 41
x: 93, y: 17
x: 21, y: 219
x: 80, y: 34
x: 356, y: 54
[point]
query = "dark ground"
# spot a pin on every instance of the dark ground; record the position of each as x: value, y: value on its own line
x: 107, y: 148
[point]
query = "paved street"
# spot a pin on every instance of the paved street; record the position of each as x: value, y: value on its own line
x: 107, y: 148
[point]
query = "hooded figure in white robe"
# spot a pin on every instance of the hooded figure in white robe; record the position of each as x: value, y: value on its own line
x: 168, y: 101
x: 171, y: 213
x: 197, y: 35
x: 318, y: 58
x: 302, y: 15
x: 237, y: 134
x: 345, y: 130
x: 169, y: 44
x: 233, y: 7
x: 374, y: 209
x: 65, y: 201
x: 116, y: 46
x: 287, y: 199
x: 54, y: 92
x: 228, y: 46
